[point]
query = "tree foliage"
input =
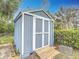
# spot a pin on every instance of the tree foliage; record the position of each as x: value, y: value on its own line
x: 65, y: 18
x: 7, y: 9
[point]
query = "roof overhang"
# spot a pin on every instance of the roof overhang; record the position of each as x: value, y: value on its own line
x: 29, y: 12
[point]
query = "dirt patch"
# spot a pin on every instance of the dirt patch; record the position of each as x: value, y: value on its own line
x: 6, y: 51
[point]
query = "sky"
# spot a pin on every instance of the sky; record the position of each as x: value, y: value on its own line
x: 53, y: 5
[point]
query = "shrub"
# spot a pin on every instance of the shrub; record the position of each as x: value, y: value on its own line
x: 3, y: 26
x: 11, y: 27
x: 67, y: 37
x: 6, y: 39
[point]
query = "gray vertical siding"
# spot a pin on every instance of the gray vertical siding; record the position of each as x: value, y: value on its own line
x: 45, y: 39
x: 45, y: 26
x: 18, y: 34
x: 51, y: 33
x: 38, y: 25
x: 38, y: 41
x: 28, y: 34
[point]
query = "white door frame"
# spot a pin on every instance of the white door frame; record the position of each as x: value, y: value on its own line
x: 34, y: 31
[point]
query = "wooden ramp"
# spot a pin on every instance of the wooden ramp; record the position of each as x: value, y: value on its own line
x: 44, y: 53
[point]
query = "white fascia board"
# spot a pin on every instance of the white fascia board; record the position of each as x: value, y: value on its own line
x: 37, y: 16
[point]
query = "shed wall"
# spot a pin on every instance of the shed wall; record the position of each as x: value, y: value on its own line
x: 18, y: 34
x: 28, y: 34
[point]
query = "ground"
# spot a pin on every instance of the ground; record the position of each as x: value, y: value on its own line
x: 9, y: 39
x: 16, y: 57
x: 76, y: 54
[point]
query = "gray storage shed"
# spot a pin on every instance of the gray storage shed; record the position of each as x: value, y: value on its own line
x: 33, y: 30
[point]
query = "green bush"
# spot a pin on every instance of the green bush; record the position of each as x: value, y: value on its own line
x: 11, y: 27
x: 3, y: 26
x: 67, y: 37
x: 6, y: 26
x: 6, y: 39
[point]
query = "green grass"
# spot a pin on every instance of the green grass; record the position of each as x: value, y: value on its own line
x: 6, y: 39
x: 76, y: 54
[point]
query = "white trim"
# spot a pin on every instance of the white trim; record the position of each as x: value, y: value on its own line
x: 34, y: 30
x: 39, y: 11
x: 49, y: 33
x: 37, y: 16
x: 42, y: 32
x: 22, y: 33
x: 38, y: 33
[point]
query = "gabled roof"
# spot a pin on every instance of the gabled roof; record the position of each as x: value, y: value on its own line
x: 48, y: 14
x: 32, y: 11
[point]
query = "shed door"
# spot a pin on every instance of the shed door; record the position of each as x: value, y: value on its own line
x: 41, y: 32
